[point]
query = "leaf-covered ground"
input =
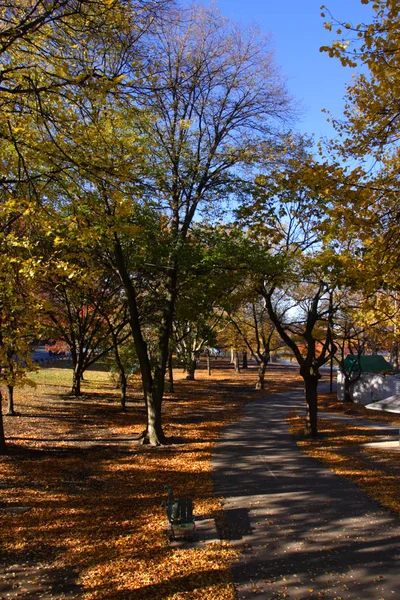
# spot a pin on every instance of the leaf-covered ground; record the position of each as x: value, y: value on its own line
x: 95, y: 528
x: 340, y: 446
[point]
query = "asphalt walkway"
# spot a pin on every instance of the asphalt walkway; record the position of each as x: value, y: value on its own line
x: 305, y: 533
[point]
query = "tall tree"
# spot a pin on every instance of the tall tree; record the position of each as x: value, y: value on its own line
x: 308, y: 332
x: 297, y: 272
x: 210, y: 99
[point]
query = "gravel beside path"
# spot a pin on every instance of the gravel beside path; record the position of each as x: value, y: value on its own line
x: 305, y: 533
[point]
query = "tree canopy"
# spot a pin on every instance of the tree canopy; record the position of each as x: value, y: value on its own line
x: 149, y: 171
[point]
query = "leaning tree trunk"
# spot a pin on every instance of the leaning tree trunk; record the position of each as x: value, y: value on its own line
x: 311, y: 391
x: 3, y: 446
x: 10, y: 395
x: 153, y: 433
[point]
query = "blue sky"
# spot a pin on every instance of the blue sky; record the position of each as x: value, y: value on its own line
x: 313, y: 78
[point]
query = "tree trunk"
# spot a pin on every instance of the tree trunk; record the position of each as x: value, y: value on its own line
x: 208, y: 363
x: 191, y: 369
x: 232, y: 356
x: 153, y: 434
x: 347, y: 386
x: 155, y: 392
x: 153, y: 385
x: 311, y: 390
x: 77, y: 372
x: 10, y: 394
x: 123, y: 381
x: 124, y: 385
x: 3, y: 446
x: 170, y: 374
x: 260, y: 385
x: 244, y: 360
x: 76, y: 382
x: 237, y: 365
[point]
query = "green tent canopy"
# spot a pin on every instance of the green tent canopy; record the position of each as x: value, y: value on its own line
x: 368, y: 364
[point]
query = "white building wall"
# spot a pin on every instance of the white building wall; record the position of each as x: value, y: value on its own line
x: 370, y: 387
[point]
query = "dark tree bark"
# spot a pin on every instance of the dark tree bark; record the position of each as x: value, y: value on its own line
x: 351, y: 376
x: 208, y: 363
x: 76, y: 381
x: 3, y: 445
x: 10, y: 395
x: 349, y: 381
x: 244, y: 360
x: 311, y: 392
x: 123, y: 382
x: 347, y: 390
x: 77, y: 372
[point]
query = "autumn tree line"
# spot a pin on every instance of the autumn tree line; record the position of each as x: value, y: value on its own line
x: 154, y: 194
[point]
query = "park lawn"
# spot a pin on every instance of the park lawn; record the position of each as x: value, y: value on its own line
x: 340, y: 448
x: 95, y: 524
